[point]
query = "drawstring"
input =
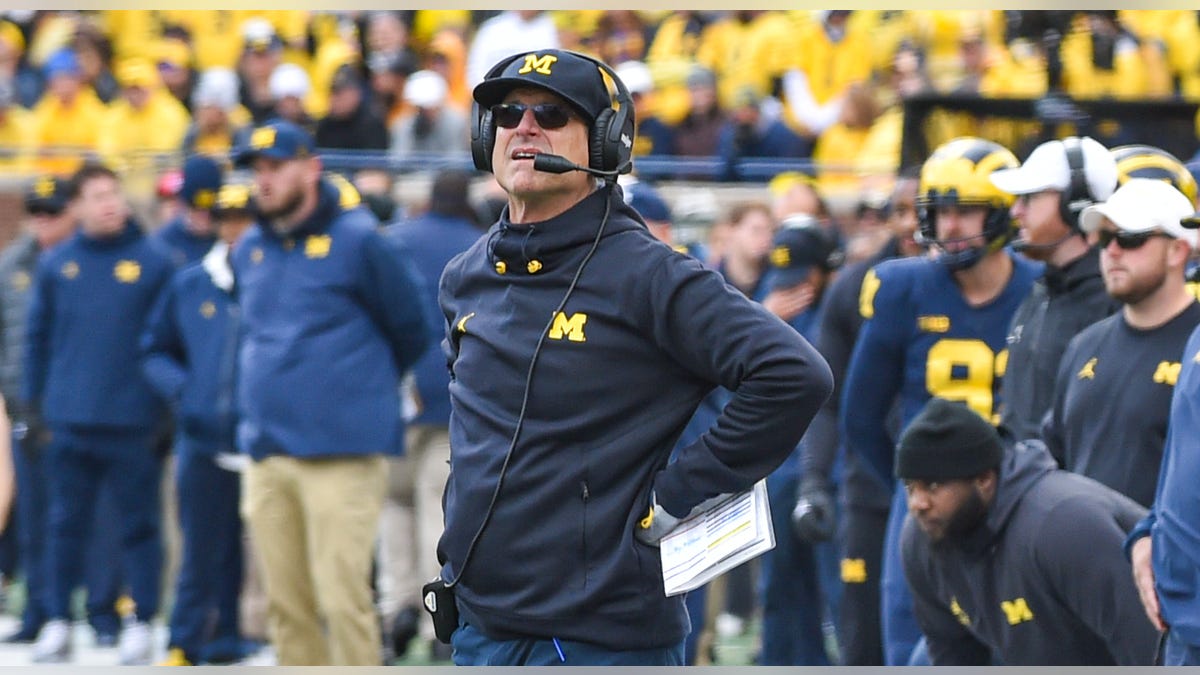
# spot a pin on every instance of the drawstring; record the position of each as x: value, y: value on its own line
x: 528, y: 234
x: 491, y: 244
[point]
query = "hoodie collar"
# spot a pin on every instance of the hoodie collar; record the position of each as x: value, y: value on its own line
x: 131, y: 233
x: 532, y: 247
x: 1061, y: 280
x: 1023, y: 465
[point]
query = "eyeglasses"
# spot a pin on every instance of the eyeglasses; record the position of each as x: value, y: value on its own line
x: 1127, y: 241
x: 547, y: 115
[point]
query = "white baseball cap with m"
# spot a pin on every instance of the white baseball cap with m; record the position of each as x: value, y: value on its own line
x: 1048, y: 168
x: 1143, y: 205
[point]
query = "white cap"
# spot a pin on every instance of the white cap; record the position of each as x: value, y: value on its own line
x: 1143, y: 205
x: 257, y: 29
x: 216, y: 87
x: 1047, y: 168
x: 636, y: 76
x: 425, y: 89
x: 288, y: 79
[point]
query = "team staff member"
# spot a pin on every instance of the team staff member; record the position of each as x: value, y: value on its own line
x: 1162, y: 549
x: 1053, y: 186
x: 1117, y: 439
x: 49, y: 223
x: 559, y: 486
x: 864, y: 499
x: 332, y: 315
x: 996, y: 547
x: 91, y: 298
x: 189, y: 356
x: 189, y: 236
x: 935, y: 327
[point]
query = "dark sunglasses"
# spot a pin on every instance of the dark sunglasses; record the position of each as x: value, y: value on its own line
x: 547, y: 115
x: 1126, y: 241
x: 43, y: 211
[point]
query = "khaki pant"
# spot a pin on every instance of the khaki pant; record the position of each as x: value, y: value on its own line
x: 313, y: 523
x: 412, y: 521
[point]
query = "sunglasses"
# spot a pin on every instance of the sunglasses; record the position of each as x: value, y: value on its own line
x: 1126, y: 241
x: 547, y: 115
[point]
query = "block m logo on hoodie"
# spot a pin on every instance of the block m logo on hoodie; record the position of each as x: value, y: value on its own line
x: 571, y: 327
x: 1016, y: 611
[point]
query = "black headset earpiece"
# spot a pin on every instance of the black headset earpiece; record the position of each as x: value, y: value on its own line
x: 1077, y: 196
x: 610, y: 143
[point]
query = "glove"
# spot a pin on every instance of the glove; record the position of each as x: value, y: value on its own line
x: 658, y: 522
x: 813, y: 519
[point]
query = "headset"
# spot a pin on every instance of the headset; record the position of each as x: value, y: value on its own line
x: 1077, y: 196
x: 610, y: 140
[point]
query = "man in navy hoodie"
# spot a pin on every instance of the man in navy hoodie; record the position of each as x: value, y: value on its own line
x: 189, y: 236
x: 332, y: 315
x: 189, y: 356
x: 91, y: 297
x: 579, y: 346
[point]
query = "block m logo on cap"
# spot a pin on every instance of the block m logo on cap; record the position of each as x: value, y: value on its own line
x: 263, y: 137
x: 537, y: 64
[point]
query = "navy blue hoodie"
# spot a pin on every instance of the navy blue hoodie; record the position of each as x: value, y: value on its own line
x: 645, y: 335
x: 180, y: 244
x: 189, y: 351
x: 90, y: 300
x: 332, y: 315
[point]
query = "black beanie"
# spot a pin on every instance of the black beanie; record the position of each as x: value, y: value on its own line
x: 947, y: 440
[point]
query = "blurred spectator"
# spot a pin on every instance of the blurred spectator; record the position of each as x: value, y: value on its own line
x: 751, y: 134
x: 146, y: 119
x: 166, y: 193
x: 429, y: 126
x: 375, y: 188
x: 261, y: 55
x: 15, y: 123
x: 698, y: 134
x: 816, y: 87
x: 1102, y: 59
x: 522, y: 30
x: 748, y: 49
x: 95, y: 55
x: 447, y: 56
x: 27, y: 81
x: 837, y: 148
x: 190, y: 235
x: 653, y: 136
x: 387, y: 36
x: 175, y: 67
x: 388, y: 77
x: 620, y: 36
x: 351, y: 123
x: 217, y: 114
x: 67, y: 121
x: 289, y: 86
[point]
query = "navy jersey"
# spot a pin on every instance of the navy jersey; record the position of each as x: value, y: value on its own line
x: 921, y: 339
x: 1108, y: 419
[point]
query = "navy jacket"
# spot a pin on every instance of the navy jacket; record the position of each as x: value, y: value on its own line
x: 645, y: 335
x: 181, y: 245
x: 332, y: 314
x: 189, y: 351
x: 90, y: 301
x: 433, y: 240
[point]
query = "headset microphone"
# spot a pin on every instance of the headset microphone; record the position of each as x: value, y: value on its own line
x: 559, y: 164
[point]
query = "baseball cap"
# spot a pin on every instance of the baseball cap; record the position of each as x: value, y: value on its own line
x: 259, y: 35
x: 216, y: 87
x: 201, y: 180
x: 801, y: 245
x: 345, y: 76
x: 47, y: 194
x: 137, y: 73
x: 1143, y: 205
x: 1047, y: 168
x: 648, y: 202
x: 233, y: 198
x: 425, y: 89
x: 636, y: 76
x: 567, y: 74
x: 62, y: 62
x: 278, y: 139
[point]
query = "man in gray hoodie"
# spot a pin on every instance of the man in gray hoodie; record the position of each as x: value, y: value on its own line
x: 1009, y: 558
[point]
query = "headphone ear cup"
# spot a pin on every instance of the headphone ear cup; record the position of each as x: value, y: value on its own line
x: 598, y: 151
x: 483, y: 140
x: 622, y: 130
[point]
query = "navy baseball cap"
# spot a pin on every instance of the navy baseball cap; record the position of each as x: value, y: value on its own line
x: 277, y: 139
x: 201, y: 180
x: 801, y: 245
x: 47, y: 194
x: 233, y: 199
x: 565, y: 73
x: 646, y: 201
